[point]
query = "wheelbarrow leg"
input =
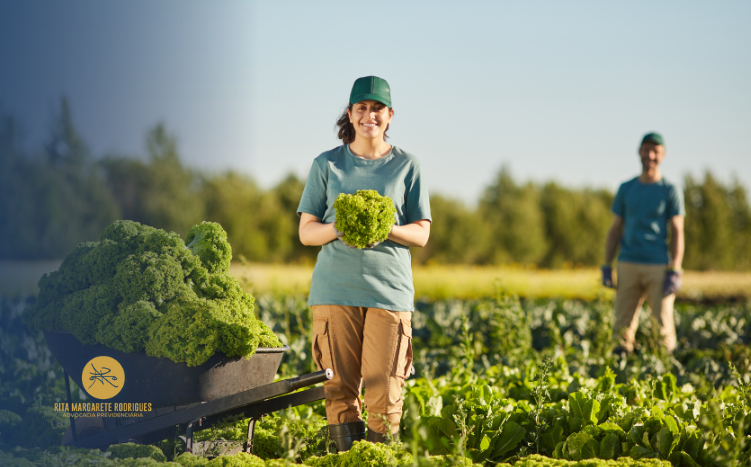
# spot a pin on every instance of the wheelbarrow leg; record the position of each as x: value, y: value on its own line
x: 70, y: 406
x: 251, y: 433
x: 189, y: 434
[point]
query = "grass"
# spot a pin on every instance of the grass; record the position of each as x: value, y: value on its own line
x: 21, y: 277
x: 480, y: 281
x: 284, y: 279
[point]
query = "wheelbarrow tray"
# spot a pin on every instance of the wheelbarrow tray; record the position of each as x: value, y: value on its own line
x: 162, y: 382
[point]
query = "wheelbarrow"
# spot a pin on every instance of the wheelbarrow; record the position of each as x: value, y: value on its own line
x: 183, y: 399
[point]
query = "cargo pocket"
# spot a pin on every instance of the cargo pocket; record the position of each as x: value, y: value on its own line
x: 403, y: 364
x: 321, y: 344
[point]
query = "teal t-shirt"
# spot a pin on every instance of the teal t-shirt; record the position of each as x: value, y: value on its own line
x: 380, y: 277
x: 646, y: 209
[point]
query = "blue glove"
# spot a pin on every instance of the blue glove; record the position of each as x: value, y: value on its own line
x: 607, y: 276
x: 672, y: 282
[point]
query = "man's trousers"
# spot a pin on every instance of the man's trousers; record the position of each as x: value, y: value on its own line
x: 635, y: 281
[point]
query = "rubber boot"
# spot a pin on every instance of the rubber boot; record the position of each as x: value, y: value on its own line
x: 375, y: 437
x: 344, y: 434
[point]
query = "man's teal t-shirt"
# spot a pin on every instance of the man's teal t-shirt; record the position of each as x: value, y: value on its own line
x: 646, y: 209
x: 380, y: 277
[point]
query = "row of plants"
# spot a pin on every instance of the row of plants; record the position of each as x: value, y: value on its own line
x: 498, y: 380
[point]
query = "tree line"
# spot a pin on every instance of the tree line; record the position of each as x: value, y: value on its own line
x: 61, y: 195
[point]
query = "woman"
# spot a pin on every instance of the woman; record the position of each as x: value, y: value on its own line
x: 363, y: 299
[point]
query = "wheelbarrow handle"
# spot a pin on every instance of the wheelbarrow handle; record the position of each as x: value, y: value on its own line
x: 311, y: 378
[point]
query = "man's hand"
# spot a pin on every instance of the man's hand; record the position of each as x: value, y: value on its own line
x: 607, y: 276
x: 672, y: 282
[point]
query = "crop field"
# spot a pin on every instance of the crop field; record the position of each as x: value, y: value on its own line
x: 498, y: 380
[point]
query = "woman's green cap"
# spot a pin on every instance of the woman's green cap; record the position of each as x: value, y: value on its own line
x: 370, y: 88
x: 653, y: 138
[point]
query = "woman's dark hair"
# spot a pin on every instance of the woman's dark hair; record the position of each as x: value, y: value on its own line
x: 346, y: 131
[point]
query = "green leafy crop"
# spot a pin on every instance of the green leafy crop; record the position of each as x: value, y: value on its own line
x: 41, y: 427
x: 364, y: 217
x: 141, y: 288
x: 366, y: 454
x: 126, y: 450
x: 208, y: 241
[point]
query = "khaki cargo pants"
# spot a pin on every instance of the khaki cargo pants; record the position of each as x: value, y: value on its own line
x: 634, y: 282
x: 366, y: 347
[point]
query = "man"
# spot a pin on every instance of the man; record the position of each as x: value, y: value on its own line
x: 643, y: 209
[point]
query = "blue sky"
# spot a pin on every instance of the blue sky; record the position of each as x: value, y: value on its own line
x: 554, y: 90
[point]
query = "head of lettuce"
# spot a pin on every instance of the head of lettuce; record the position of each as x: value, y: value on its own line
x: 364, y: 218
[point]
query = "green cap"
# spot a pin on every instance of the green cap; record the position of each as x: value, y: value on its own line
x: 370, y: 88
x: 653, y: 138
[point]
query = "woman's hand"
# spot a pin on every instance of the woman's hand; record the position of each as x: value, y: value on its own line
x: 414, y: 234
x: 315, y: 233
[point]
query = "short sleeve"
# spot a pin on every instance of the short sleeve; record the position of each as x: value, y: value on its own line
x: 619, y: 205
x: 313, y: 200
x: 417, y: 197
x: 676, y: 207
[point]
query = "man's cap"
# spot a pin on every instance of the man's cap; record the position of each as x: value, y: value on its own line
x: 653, y: 138
x: 370, y: 88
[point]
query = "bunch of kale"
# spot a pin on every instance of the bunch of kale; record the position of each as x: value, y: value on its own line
x: 141, y: 288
